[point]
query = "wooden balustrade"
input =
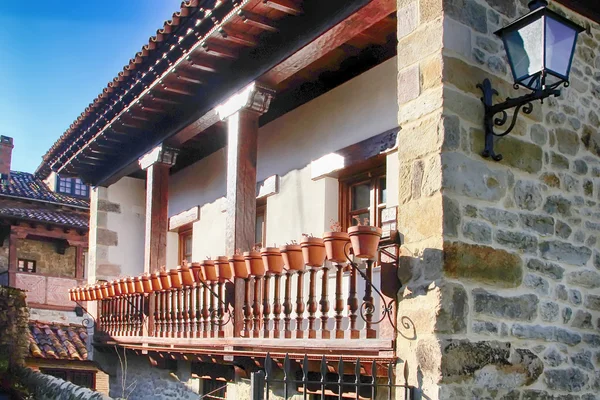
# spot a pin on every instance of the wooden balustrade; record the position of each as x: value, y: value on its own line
x: 275, y: 306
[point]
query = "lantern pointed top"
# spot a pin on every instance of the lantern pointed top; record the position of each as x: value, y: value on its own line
x: 535, y: 4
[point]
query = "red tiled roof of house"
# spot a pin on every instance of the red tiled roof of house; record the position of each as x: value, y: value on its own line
x: 57, y: 341
x: 24, y: 185
x: 40, y: 214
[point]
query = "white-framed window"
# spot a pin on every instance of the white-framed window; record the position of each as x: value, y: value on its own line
x: 72, y: 186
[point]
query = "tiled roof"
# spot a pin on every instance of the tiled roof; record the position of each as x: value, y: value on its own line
x: 57, y: 341
x: 27, y: 186
x: 60, y: 217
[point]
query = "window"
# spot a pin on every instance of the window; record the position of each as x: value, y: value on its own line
x: 363, y: 197
x: 81, y: 378
x: 185, y: 246
x: 26, y: 265
x: 212, y: 389
x: 72, y: 186
x: 260, y: 231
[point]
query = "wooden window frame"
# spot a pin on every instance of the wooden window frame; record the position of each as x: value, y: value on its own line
x: 373, y: 176
x: 261, y: 209
x: 68, y: 373
x: 74, y: 185
x: 27, y: 261
x: 183, y: 234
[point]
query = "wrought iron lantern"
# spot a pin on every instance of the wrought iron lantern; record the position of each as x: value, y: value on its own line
x: 540, y: 48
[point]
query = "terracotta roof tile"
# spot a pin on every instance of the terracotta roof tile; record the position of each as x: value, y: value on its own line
x: 27, y: 186
x: 39, y: 214
x: 57, y: 341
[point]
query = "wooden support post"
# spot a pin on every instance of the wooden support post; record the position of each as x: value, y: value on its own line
x: 241, y: 112
x: 79, y: 262
x: 157, y: 164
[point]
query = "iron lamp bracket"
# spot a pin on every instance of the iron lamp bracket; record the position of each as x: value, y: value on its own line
x: 522, y: 103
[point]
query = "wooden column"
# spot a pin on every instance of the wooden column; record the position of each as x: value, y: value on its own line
x: 241, y: 112
x: 79, y: 265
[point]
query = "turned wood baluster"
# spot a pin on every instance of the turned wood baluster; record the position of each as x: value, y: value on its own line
x: 300, y: 305
x: 113, y: 312
x: 126, y: 315
x: 256, y: 307
x: 325, y: 334
x: 156, y: 313
x: 198, y: 310
x: 165, y: 313
x: 339, y: 301
x: 276, y: 308
x: 353, y: 306
x: 180, y: 312
x: 221, y: 309
x: 213, y: 309
x: 169, y: 313
x: 116, y: 317
x: 287, y: 306
x: 140, y: 314
x: 312, y: 303
x: 205, y: 311
x: 247, y: 309
x: 371, y: 333
x: 184, y: 312
x: 266, y: 305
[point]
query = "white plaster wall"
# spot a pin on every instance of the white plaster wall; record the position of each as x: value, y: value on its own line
x: 357, y: 110
x: 172, y: 250
x: 129, y: 224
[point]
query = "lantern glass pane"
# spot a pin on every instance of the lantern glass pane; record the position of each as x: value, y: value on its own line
x: 525, y: 48
x: 560, y: 40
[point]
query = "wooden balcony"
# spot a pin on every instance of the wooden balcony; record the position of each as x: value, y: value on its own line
x: 320, y: 311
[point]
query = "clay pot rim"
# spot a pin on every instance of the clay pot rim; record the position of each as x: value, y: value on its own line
x: 368, y: 229
x: 251, y: 254
x: 290, y: 247
x: 270, y: 250
x: 236, y: 257
x: 145, y: 277
x: 311, y: 240
x: 222, y: 260
x: 207, y: 262
x: 336, y: 236
x: 173, y: 271
x: 164, y: 273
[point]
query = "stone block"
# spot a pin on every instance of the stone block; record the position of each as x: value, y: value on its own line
x: 498, y: 217
x: 559, y: 161
x: 539, y: 223
x: 425, y: 104
x: 422, y: 42
x: 548, y: 269
x: 408, y: 84
x: 407, y: 19
x: 587, y: 279
x: 583, y: 359
x: 472, y: 178
x: 507, y: 8
x: 483, y: 264
x: 107, y: 206
x: 562, y: 230
x: 469, y: 13
x: 451, y: 216
x: 558, y: 205
x: 575, y: 297
x: 485, y: 328
x: 428, y: 223
x: 592, y: 302
x: 568, y: 380
x: 462, y: 358
x: 108, y: 270
x: 478, y: 232
x: 457, y: 39
x: 537, y: 284
x: 519, y: 308
x: 453, y: 313
x: 553, y: 357
x: 582, y: 320
x: 431, y: 72
x: 527, y: 195
x: 567, y: 337
x: 539, y: 134
x: 591, y: 339
x: 465, y: 106
x: 537, y: 332
x: 549, y: 311
x: 420, y: 138
x: 591, y: 140
x: 565, y: 252
x: 516, y: 153
x: 106, y: 237
x: 517, y: 240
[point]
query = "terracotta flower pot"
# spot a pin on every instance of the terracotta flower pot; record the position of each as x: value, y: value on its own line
x: 105, y: 293
x: 156, y: 282
x: 209, y: 270
x: 197, y: 272
x: 335, y: 244
x: 98, y: 292
x: 292, y: 257
x: 165, y: 280
x: 138, y: 285
x: 146, y: 284
x: 111, y: 289
x: 365, y: 240
x: 72, y: 294
x: 313, y: 251
x: 223, y: 269
x: 185, y: 275
x: 116, y: 284
x: 130, y: 286
x: 123, y: 286
x: 272, y: 260
x: 175, y: 279
x: 238, y: 265
x: 254, y: 263
x: 89, y: 294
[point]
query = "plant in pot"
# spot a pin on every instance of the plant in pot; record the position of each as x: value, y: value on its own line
x: 254, y: 262
x: 146, y: 283
x: 156, y: 282
x: 175, y: 279
x: 313, y: 250
x: 272, y: 260
x: 185, y: 274
x: 364, y: 238
x: 292, y: 256
x: 224, y: 271
x: 335, y: 243
x: 238, y: 265
x: 209, y: 270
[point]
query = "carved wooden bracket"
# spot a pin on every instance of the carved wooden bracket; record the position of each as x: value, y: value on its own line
x: 159, y: 155
x: 254, y: 97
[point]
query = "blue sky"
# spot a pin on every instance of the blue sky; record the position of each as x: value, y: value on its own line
x: 56, y: 56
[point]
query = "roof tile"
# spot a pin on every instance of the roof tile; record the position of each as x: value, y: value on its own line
x: 57, y: 341
x: 27, y: 186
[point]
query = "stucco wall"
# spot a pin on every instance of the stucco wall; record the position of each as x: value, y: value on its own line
x: 354, y: 111
x: 504, y: 255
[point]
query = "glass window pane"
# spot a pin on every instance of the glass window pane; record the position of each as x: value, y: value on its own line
x: 560, y: 40
x: 363, y: 217
x: 382, y: 190
x: 525, y: 49
x: 361, y: 196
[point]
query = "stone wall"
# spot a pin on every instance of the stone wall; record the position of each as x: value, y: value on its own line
x: 46, y: 387
x: 504, y: 256
x: 48, y: 261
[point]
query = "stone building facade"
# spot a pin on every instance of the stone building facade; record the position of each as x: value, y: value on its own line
x: 504, y: 256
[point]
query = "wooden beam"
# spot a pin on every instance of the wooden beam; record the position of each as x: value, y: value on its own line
x: 287, y: 6
x: 185, y: 90
x: 258, y: 21
x: 202, y: 63
x: 238, y: 37
x: 217, y: 50
x: 356, y: 23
